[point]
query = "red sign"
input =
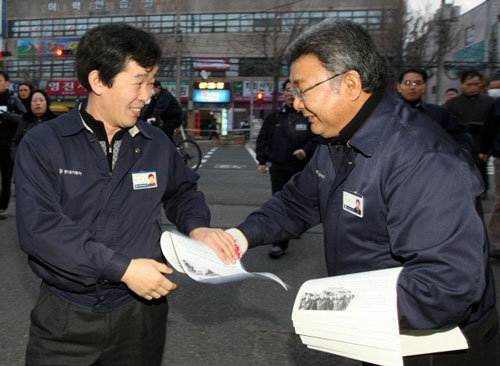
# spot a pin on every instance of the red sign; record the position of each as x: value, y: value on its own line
x: 65, y: 87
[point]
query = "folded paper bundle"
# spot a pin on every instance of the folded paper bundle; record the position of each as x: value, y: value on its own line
x: 356, y: 316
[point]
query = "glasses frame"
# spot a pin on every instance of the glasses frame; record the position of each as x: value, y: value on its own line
x: 413, y: 83
x: 299, y: 93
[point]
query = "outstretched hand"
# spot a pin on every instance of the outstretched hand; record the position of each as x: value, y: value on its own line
x: 222, y: 243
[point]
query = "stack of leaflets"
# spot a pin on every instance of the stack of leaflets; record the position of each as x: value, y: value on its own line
x: 202, y: 264
x: 356, y: 316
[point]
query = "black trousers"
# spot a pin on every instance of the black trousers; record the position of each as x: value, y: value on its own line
x: 279, y: 177
x: 65, y: 334
x: 6, y: 168
x: 484, y: 349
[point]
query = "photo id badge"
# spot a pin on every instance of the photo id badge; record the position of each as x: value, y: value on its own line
x: 352, y: 203
x: 144, y: 180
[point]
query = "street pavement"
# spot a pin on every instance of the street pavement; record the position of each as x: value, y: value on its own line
x: 242, y: 323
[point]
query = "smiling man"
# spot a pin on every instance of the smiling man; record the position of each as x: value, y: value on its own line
x: 89, y: 218
x: 416, y: 190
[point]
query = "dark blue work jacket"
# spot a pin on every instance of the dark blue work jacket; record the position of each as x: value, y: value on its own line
x: 284, y: 131
x: 81, y: 225
x: 451, y: 124
x: 417, y: 190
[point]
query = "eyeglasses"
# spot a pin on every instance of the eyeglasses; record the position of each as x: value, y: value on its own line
x: 413, y: 83
x: 298, y: 93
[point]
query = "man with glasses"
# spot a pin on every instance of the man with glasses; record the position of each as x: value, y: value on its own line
x: 411, y: 87
x: 416, y: 189
x: 286, y: 141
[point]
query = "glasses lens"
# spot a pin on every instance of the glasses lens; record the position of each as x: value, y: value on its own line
x: 413, y: 83
x: 294, y: 92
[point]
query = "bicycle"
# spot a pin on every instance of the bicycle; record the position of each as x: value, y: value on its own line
x: 189, y: 151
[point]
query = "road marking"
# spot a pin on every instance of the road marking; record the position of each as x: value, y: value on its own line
x: 228, y: 166
x: 207, y: 156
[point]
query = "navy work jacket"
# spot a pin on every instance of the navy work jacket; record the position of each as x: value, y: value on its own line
x: 82, y: 225
x: 418, y: 191
x: 451, y: 124
x: 284, y: 131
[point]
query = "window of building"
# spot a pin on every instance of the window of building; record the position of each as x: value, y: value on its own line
x: 469, y: 35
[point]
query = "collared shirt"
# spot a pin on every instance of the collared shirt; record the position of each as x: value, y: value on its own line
x: 112, y: 148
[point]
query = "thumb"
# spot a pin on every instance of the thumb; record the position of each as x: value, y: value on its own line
x: 162, y: 267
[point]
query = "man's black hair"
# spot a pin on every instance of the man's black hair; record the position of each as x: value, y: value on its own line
x: 109, y: 47
x: 469, y: 74
x: 421, y: 72
x: 452, y: 89
x: 342, y: 46
x: 5, y: 75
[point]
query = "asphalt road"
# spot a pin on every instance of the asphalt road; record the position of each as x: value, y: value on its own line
x: 244, y: 323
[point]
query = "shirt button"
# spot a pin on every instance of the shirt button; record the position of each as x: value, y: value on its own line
x: 102, y: 298
x: 137, y: 150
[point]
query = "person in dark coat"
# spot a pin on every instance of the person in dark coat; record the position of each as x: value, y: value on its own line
x: 90, y: 187
x: 411, y: 87
x: 286, y: 142
x: 11, y: 111
x: 476, y: 109
x: 417, y: 189
x: 38, y: 112
x: 163, y: 110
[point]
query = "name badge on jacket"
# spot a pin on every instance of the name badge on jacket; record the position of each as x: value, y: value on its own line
x: 144, y: 180
x: 352, y: 203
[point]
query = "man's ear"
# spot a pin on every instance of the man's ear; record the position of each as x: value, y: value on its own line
x: 95, y: 82
x: 352, y: 84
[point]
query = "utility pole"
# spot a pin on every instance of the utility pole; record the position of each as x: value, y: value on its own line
x: 178, y: 56
x: 445, y: 18
x: 251, y: 111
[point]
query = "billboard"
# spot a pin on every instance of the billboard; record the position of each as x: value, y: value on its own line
x: 211, y: 96
x: 30, y: 47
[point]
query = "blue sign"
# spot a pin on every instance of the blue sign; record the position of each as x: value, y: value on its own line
x: 211, y: 96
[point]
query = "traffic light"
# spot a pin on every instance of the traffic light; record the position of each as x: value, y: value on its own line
x: 5, y: 54
x: 260, y: 96
x: 61, y: 52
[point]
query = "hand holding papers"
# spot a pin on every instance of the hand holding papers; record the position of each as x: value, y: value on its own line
x: 201, y: 263
x: 356, y: 316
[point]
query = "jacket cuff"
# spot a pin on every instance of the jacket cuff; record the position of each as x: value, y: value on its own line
x: 194, y: 223
x: 116, y: 268
x: 241, y: 239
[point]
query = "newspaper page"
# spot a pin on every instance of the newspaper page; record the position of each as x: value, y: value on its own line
x: 202, y: 264
x: 356, y: 316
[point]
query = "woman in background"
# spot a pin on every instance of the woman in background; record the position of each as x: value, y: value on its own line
x: 38, y: 112
x: 24, y: 91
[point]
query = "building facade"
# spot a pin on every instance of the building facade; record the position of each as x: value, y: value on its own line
x: 473, y: 44
x: 224, y: 41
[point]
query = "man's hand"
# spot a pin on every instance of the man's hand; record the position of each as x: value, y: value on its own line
x: 262, y: 169
x: 484, y: 157
x: 146, y: 278
x: 219, y: 241
x: 299, y: 154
